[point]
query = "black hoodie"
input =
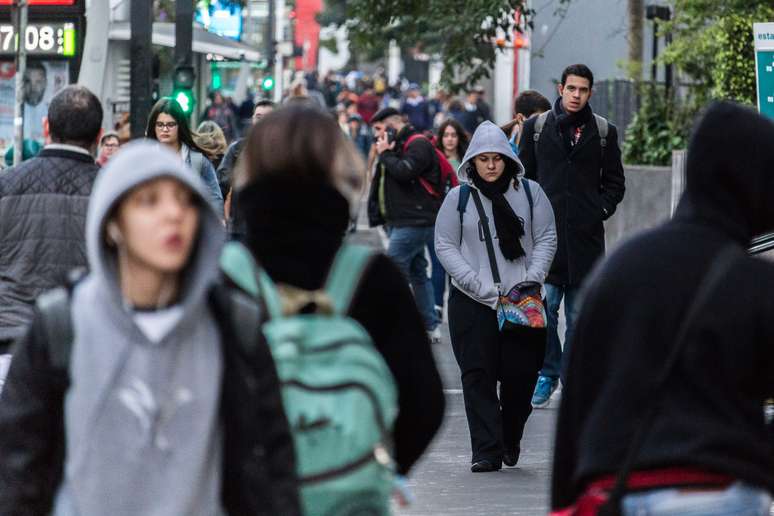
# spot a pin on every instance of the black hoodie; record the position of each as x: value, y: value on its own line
x: 711, y: 416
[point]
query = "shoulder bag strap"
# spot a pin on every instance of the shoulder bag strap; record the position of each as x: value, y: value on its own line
x: 54, y: 307
x: 488, y: 238
x: 531, y: 201
x: 539, y: 123
x: 716, y: 273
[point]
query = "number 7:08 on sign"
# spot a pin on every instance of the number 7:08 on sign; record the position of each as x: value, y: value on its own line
x: 40, y: 39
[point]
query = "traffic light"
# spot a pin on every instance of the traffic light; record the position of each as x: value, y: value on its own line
x: 268, y: 83
x: 183, y: 80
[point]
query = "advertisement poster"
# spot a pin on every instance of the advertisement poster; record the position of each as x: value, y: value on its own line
x: 42, y: 80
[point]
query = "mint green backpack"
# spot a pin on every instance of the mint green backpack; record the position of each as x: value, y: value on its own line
x: 339, y: 395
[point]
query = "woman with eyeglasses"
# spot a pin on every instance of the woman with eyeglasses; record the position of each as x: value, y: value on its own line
x: 168, y: 125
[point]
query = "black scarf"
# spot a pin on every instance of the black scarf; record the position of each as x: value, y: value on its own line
x: 568, y: 122
x: 509, y: 226
x: 294, y: 227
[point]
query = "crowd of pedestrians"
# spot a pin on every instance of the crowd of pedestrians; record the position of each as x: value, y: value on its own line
x: 191, y: 331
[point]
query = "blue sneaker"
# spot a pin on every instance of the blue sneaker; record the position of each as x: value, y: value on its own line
x: 543, y: 390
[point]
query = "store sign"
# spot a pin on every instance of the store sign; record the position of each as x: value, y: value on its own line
x: 45, y: 39
x: 764, y: 67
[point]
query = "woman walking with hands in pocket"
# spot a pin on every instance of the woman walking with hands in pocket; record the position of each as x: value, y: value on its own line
x: 495, y: 236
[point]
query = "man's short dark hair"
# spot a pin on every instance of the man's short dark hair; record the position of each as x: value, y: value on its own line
x: 37, y: 66
x: 75, y: 117
x: 263, y: 103
x: 581, y: 70
x: 384, y: 114
x: 529, y: 102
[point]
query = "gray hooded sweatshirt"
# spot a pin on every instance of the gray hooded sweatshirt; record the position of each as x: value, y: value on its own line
x: 467, y: 263
x: 142, y: 421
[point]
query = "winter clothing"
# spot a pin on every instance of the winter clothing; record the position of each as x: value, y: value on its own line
x: 201, y: 165
x: 148, y: 414
x: 417, y: 110
x: 285, y: 220
x: 467, y: 263
x: 583, y: 188
x: 711, y: 416
x: 397, y: 197
x: 484, y: 354
x: 43, y: 206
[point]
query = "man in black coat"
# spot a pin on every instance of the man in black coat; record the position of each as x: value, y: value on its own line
x: 582, y: 174
x: 402, y: 199
x: 43, y: 205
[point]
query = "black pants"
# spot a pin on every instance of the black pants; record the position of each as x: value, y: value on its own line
x: 485, y: 356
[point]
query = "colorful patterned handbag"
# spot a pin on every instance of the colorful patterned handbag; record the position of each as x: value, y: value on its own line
x: 522, y: 306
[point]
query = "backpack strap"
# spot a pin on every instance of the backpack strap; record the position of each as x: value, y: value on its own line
x: 236, y: 262
x: 539, y: 124
x: 462, y: 204
x: 240, y: 312
x: 602, y: 128
x: 530, y: 199
x: 56, y: 316
x: 346, y: 272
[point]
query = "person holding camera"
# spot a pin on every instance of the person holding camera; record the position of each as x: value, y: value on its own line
x: 405, y: 196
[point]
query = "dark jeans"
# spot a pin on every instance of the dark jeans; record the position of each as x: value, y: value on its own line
x: 555, y: 364
x: 485, y: 356
x: 407, y: 250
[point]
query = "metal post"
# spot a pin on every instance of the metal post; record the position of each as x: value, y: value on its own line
x: 142, y: 65
x: 184, y: 32
x: 653, y: 68
x: 21, y: 68
x: 269, y: 44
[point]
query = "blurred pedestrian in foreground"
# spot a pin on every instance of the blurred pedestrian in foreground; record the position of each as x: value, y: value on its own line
x: 209, y: 137
x: 518, y: 244
x: 158, y: 389
x: 43, y: 205
x: 297, y: 208
x: 108, y: 146
x: 168, y: 124
x: 673, y: 358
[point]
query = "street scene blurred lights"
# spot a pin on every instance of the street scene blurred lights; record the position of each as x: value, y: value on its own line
x: 185, y: 99
x: 268, y: 83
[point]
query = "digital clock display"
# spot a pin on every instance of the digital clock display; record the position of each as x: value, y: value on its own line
x: 40, y: 39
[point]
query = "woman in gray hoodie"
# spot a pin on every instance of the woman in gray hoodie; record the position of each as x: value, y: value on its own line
x: 167, y: 403
x: 524, y: 238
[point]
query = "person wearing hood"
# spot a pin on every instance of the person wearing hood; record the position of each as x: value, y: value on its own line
x: 707, y: 448
x: 165, y: 405
x: 525, y: 242
x: 168, y: 125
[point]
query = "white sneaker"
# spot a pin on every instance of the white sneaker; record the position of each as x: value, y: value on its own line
x: 434, y: 335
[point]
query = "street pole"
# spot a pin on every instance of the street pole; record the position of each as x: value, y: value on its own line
x: 21, y: 68
x: 184, y: 32
x: 142, y: 65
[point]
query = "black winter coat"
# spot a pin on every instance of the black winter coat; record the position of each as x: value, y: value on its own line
x: 583, y: 190
x: 258, y: 457
x: 407, y: 202
x: 711, y: 413
x: 43, y: 205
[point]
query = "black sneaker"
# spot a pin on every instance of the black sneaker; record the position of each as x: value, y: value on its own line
x: 484, y: 466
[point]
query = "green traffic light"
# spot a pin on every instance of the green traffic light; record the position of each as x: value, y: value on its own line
x: 185, y: 99
x: 268, y: 83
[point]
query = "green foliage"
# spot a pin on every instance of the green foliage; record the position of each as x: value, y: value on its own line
x: 657, y: 129
x: 460, y: 31
x: 712, y: 49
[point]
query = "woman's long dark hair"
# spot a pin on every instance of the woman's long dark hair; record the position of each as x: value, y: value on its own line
x: 462, y: 137
x: 171, y: 107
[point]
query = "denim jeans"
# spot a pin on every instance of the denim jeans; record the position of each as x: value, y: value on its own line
x: 555, y: 363
x: 407, y: 250
x: 737, y: 500
x: 438, y: 276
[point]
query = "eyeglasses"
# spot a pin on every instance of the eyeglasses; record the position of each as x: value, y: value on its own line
x: 166, y: 125
x: 110, y: 145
